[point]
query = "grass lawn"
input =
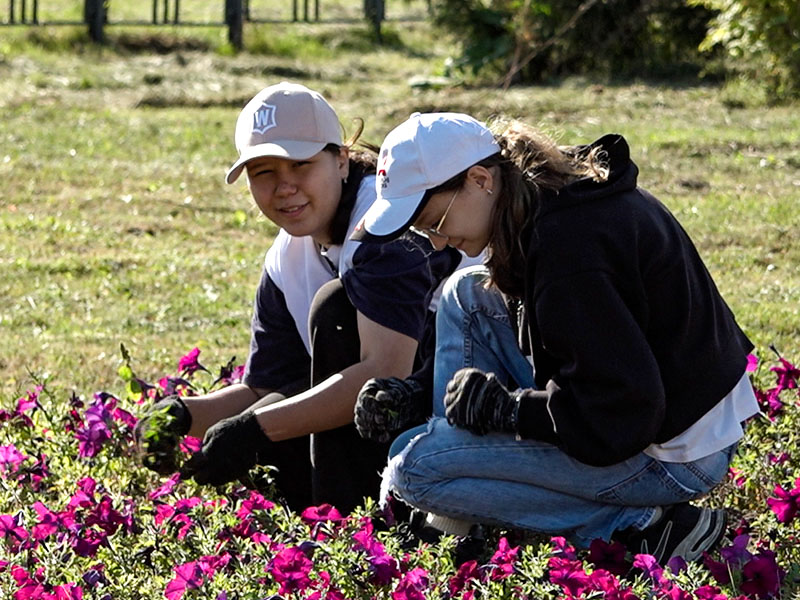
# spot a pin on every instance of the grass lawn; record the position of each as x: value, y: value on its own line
x: 116, y: 226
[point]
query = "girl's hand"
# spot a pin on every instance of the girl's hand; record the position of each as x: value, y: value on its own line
x: 476, y: 401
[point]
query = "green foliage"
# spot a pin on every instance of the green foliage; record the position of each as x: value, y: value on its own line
x: 534, y: 40
x: 762, y: 37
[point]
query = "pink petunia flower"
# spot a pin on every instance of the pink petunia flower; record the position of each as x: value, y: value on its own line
x: 321, y: 514
x: 413, y: 585
x: 190, y: 444
x: 95, y: 430
x: 709, y: 592
x: 610, y: 557
x: 503, y: 560
x: 785, y: 504
x: 761, y: 576
x: 290, y: 568
x: 12, y: 531
x: 737, y: 554
x: 10, y: 459
x: 189, y: 363
x: 752, y: 363
x: 770, y: 402
x: 255, y: 501
x: 603, y: 581
x: 466, y: 574
x: 166, y: 488
x: 563, y: 548
x: 787, y: 375
x: 383, y: 569
x: 569, y: 574
x: 188, y: 576
x: 49, y: 522
x: 649, y: 567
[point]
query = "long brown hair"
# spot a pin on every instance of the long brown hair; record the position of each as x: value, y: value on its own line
x: 363, y: 162
x: 530, y: 165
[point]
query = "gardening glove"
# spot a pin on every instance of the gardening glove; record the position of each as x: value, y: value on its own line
x: 158, y: 433
x: 385, y: 407
x: 479, y: 403
x: 231, y: 447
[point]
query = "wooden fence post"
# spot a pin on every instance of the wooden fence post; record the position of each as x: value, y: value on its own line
x: 94, y: 15
x: 234, y: 18
x: 374, y: 12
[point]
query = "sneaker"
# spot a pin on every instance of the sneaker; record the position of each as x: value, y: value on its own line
x: 683, y: 530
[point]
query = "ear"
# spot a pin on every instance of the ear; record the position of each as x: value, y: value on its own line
x: 343, y: 162
x: 481, y: 177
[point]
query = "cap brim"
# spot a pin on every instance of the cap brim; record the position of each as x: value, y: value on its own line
x: 290, y: 149
x: 389, y: 218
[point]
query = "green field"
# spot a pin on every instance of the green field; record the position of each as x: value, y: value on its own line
x: 116, y: 226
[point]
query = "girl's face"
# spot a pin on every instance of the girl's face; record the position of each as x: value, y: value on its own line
x: 301, y: 196
x: 467, y: 214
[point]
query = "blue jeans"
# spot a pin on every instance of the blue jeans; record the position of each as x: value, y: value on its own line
x: 527, y: 484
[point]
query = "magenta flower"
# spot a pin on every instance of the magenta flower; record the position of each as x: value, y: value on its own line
x: 12, y: 531
x: 563, y: 548
x: 787, y: 375
x: 94, y: 431
x: 10, y: 459
x: 366, y: 541
x: 188, y: 576
x: 49, y: 522
x: 35, y: 473
x: 737, y: 476
x: 649, y: 567
x: 737, y: 554
x: 383, y: 569
x: 413, y: 586
x: 610, y: 557
x: 190, y: 444
x: 785, y: 504
x: 752, y: 363
x: 603, y: 581
x: 770, y: 402
x: 569, y: 574
x: 709, y: 592
x: 166, y: 488
x: 761, y: 576
x: 466, y: 574
x: 189, y: 363
x: 254, y: 502
x: 503, y: 560
x: 720, y: 570
x: 290, y: 568
x: 321, y: 514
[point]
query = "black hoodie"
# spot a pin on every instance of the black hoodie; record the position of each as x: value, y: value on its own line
x: 630, y: 337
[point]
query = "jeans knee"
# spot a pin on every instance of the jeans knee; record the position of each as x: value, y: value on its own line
x: 463, y: 286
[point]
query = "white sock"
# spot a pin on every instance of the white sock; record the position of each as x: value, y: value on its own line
x: 448, y: 524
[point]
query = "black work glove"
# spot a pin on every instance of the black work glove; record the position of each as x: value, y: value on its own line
x: 158, y: 434
x: 231, y: 447
x: 385, y: 407
x: 479, y: 403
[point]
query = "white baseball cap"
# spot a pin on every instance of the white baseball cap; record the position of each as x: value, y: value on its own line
x: 417, y: 155
x: 286, y: 120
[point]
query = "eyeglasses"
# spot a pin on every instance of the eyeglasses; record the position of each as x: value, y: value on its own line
x: 433, y: 232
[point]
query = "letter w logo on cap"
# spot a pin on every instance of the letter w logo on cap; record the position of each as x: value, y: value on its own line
x: 264, y: 118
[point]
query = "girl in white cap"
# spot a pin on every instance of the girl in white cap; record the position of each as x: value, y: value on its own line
x: 589, y: 380
x: 329, y: 314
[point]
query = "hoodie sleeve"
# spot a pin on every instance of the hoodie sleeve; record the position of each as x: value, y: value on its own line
x: 605, y: 402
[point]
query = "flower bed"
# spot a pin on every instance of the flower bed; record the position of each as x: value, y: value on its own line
x: 80, y: 519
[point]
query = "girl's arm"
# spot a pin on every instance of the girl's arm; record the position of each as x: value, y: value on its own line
x: 210, y: 408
